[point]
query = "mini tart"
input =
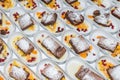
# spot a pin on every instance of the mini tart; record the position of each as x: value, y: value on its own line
x: 32, y: 58
x: 15, y: 15
x: 6, y: 27
x: 56, y: 28
x: 77, y: 5
x: 54, y: 5
x: 112, y: 28
x: 5, y: 53
x: 45, y: 62
x: 103, y: 64
x: 83, y: 28
x: 17, y: 63
x: 38, y: 41
x: 102, y: 3
x: 7, y: 4
x: 97, y: 34
x: 86, y: 55
x: 74, y: 64
x: 28, y: 4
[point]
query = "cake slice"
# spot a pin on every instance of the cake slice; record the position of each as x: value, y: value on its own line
x: 24, y: 46
x: 101, y: 18
x: 25, y: 21
x: 86, y: 74
x: 79, y: 44
x: 74, y: 18
x: 54, y: 47
x: 114, y: 72
x: 81, y: 72
x: 71, y: 1
x: 46, y: 1
x: 107, y: 44
x: 49, y: 19
x: 116, y: 12
x: 1, y: 16
x: 18, y: 73
x: 52, y: 73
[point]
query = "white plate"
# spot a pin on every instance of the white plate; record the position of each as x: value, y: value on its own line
x: 112, y: 29
x: 93, y: 54
x: 36, y: 53
x: 100, y: 32
x: 42, y: 64
x: 59, y: 25
x: 39, y: 37
x: 30, y: 31
x: 16, y: 62
x: 73, y: 65
x: 82, y: 30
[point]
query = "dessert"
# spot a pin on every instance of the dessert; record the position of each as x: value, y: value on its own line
x: 52, y: 73
x: 77, y: 69
x: 102, y: 19
x: 49, y: 70
x: 24, y: 49
x: 76, y: 21
x: 18, y: 73
x: 74, y: 18
x: 25, y: 21
x: 51, y: 46
x: 49, y: 19
x: 86, y: 74
x: 107, y: 44
x: 17, y: 70
x: 79, y: 44
x: 54, y: 47
x: 25, y: 46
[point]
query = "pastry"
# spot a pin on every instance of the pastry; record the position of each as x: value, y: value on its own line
x: 25, y: 21
x: 49, y: 19
x: 74, y: 18
x: 79, y: 44
x: 54, y: 47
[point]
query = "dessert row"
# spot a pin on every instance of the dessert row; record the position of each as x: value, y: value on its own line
x: 76, y: 69
x: 56, y: 23
x: 56, y: 5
